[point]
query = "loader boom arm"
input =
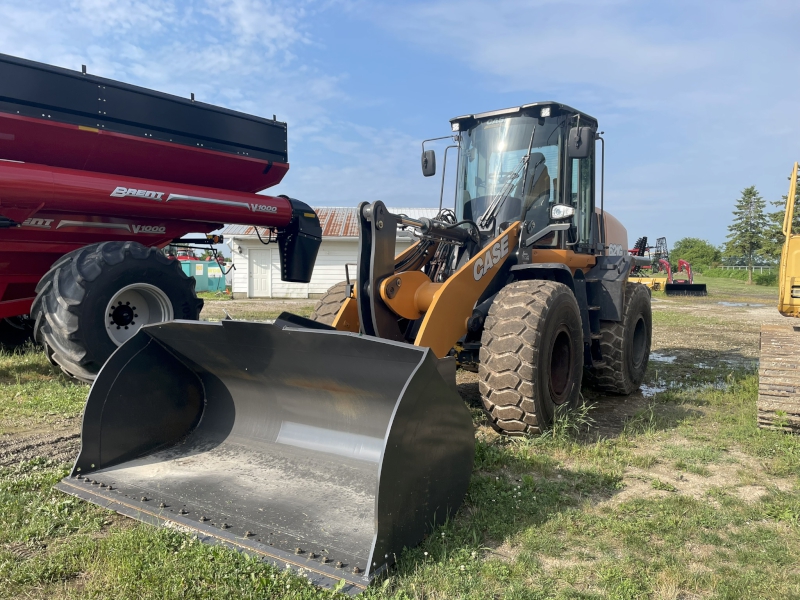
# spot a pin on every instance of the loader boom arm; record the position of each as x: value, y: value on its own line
x: 384, y: 295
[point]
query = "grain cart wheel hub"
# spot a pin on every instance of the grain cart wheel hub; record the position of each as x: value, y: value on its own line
x: 133, y: 306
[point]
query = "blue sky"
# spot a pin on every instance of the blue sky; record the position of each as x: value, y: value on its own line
x: 698, y: 100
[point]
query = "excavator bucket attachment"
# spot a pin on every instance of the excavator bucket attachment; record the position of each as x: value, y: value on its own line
x: 320, y: 450
x: 685, y: 289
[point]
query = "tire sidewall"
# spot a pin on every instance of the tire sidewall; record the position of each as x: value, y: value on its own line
x: 562, y: 316
x: 92, y: 311
x: 638, y: 308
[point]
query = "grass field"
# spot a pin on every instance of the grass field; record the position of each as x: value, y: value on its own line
x: 674, y: 493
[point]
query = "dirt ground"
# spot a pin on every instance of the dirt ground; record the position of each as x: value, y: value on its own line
x: 59, y: 442
x: 716, y: 333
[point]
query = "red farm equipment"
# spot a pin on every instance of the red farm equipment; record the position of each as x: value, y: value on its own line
x: 658, y: 257
x: 96, y: 176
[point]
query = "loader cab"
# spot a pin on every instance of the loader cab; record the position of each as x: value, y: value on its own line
x: 539, y: 159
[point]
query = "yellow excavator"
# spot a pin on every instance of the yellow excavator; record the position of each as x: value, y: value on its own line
x: 779, y: 365
x: 331, y: 443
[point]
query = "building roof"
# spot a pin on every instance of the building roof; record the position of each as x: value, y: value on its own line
x: 336, y: 221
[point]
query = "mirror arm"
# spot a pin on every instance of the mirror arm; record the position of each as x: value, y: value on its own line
x: 445, y: 137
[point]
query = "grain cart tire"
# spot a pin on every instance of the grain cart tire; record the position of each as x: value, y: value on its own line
x: 95, y: 298
x: 531, y: 356
x: 327, y: 307
x: 625, y: 345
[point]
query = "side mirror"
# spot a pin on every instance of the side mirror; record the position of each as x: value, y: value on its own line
x: 428, y: 163
x: 581, y: 141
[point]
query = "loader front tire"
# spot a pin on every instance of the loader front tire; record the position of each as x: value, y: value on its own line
x: 327, y: 307
x: 95, y: 298
x: 531, y: 358
x: 625, y: 345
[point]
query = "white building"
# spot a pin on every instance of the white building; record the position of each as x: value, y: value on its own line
x: 257, y: 272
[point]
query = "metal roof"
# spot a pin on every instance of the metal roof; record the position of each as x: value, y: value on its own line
x: 336, y: 221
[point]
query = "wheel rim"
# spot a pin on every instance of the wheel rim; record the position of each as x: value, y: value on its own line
x: 132, y: 307
x: 639, y: 343
x: 560, y: 366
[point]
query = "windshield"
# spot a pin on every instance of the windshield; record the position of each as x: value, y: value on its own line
x: 491, y: 159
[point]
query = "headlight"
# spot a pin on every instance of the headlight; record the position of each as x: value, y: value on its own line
x: 456, y: 126
x: 545, y: 112
x: 562, y: 211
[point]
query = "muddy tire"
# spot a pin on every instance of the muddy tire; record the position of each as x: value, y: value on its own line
x: 625, y: 345
x: 95, y: 298
x: 328, y: 306
x: 531, y: 356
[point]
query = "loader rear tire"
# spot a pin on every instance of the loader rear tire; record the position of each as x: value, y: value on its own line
x: 625, y: 345
x: 327, y: 307
x: 531, y: 356
x: 73, y: 311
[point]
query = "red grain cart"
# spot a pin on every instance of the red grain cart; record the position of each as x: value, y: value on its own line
x: 95, y: 177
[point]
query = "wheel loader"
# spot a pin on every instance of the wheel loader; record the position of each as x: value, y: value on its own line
x: 779, y: 367
x: 330, y: 444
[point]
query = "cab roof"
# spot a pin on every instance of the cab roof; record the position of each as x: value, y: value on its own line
x: 525, y: 108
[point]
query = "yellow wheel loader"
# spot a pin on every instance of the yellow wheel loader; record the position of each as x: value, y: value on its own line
x: 779, y: 364
x: 330, y: 444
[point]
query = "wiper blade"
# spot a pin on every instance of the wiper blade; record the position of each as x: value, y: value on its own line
x: 497, y: 201
x: 493, y: 208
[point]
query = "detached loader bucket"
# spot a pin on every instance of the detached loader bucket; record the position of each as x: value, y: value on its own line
x: 322, y: 450
x: 685, y: 289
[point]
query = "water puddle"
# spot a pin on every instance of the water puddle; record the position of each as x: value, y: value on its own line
x: 662, y: 358
x: 648, y: 391
x: 751, y: 304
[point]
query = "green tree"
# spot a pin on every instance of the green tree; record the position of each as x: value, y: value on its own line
x: 748, y: 229
x: 773, y: 244
x: 697, y: 252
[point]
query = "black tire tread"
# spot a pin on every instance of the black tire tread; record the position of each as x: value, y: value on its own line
x: 509, y: 354
x: 62, y: 289
x: 327, y: 307
x: 613, y: 377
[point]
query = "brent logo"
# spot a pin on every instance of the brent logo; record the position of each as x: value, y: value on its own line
x: 491, y: 257
x: 121, y: 192
x: 40, y: 223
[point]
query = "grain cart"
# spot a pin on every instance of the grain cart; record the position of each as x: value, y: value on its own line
x: 332, y: 446
x: 95, y: 176
x: 779, y: 364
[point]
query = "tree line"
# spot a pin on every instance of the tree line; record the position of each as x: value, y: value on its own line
x: 755, y: 236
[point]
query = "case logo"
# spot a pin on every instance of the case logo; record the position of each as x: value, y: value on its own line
x: 491, y: 257
x: 121, y: 192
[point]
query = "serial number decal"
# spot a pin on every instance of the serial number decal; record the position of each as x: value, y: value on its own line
x: 491, y: 257
x: 615, y: 250
x: 121, y: 192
